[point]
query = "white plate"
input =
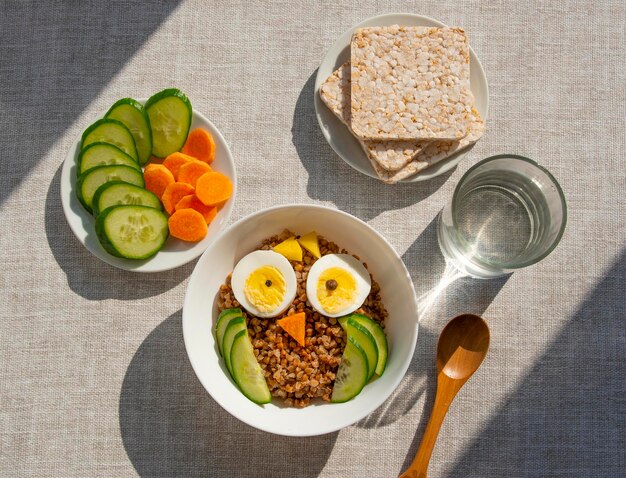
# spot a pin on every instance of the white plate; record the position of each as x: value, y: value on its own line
x: 176, y: 252
x: 339, y: 136
x: 200, y: 314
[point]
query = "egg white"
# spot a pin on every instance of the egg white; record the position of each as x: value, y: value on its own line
x: 344, y: 261
x: 253, y: 261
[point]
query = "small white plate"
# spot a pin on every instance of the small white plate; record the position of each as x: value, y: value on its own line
x: 176, y: 252
x: 339, y: 136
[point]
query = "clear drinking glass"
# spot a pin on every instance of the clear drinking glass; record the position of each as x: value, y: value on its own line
x: 507, y: 212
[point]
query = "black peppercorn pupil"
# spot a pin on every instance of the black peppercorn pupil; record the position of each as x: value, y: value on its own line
x: 331, y: 284
x: 268, y: 283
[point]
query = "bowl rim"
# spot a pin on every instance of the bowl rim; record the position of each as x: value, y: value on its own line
x: 375, y: 403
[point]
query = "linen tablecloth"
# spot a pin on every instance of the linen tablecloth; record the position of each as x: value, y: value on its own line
x: 94, y: 378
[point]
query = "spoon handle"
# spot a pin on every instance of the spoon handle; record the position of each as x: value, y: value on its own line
x: 446, y: 391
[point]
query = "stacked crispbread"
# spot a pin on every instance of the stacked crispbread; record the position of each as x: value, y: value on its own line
x: 405, y: 96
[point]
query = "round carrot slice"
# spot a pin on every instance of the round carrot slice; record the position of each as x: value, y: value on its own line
x: 157, y: 178
x: 174, y: 161
x: 200, y: 145
x: 174, y: 193
x: 213, y: 189
x: 190, y: 172
x: 192, y: 202
x: 187, y: 225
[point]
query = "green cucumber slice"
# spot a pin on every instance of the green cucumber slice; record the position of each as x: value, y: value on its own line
x: 222, y: 322
x: 351, y: 374
x: 103, y: 154
x: 234, y: 326
x: 364, y: 339
x: 119, y: 193
x: 246, y: 370
x: 134, y: 116
x: 379, y: 336
x: 88, y: 183
x: 170, y: 119
x: 110, y: 131
x: 133, y: 232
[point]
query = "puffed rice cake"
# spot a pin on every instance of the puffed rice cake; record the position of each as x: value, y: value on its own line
x: 389, y: 155
x: 415, y: 155
x: 435, y: 152
x: 410, y: 83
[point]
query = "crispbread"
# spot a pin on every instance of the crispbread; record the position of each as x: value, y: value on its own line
x: 389, y: 155
x: 435, y: 152
x: 335, y: 94
x: 410, y: 83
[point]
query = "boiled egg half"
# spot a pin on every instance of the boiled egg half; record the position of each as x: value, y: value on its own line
x: 264, y: 283
x: 337, y: 285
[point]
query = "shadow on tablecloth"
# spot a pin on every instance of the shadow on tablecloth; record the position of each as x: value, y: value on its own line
x: 87, y: 275
x: 426, y: 266
x: 331, y: 179
x: 568, y: 416
x: 57, y: 57
x: 170, y: 426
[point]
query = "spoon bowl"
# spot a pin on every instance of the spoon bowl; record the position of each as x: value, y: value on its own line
x: 462, y: 347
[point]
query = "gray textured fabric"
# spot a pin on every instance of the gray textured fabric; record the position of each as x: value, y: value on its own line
x: 94, y: 379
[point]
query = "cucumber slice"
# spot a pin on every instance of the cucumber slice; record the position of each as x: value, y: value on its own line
x: 364, y: 339
x: 134, y: 116
x: 133, y: 232
x: 379, y: 336
x: 110, y: 131
x: 170, y: 119
x: 119, y: 193
x: 222, y: 322
x: 246, y: 370
x: 88, y: 183
x: 352, y: 373
x: 234, y: 326
x: 103, y: 154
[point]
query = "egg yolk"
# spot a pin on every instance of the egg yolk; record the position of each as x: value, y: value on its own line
x: 341, y: 293
x: 265, y: 288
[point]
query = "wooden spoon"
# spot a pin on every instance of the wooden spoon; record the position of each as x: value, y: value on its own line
x: 462, y: 346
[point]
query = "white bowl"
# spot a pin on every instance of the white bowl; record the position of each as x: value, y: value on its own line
x: 341, y: 139
x: 175, y: 253
x: 200, y: 313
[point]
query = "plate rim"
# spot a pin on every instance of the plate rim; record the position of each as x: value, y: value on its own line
x: 435, y: 170
x: 76, y: 223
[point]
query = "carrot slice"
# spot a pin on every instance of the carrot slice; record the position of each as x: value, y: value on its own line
x: 174, y: 193
x: 174, y: 161
x: 190, y: 172
x: 157, y: 178
x: 192, y: 202
x: 187, y: 225
x: 200, y: 145
x: 294, y: 326
x: 213, y: 189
